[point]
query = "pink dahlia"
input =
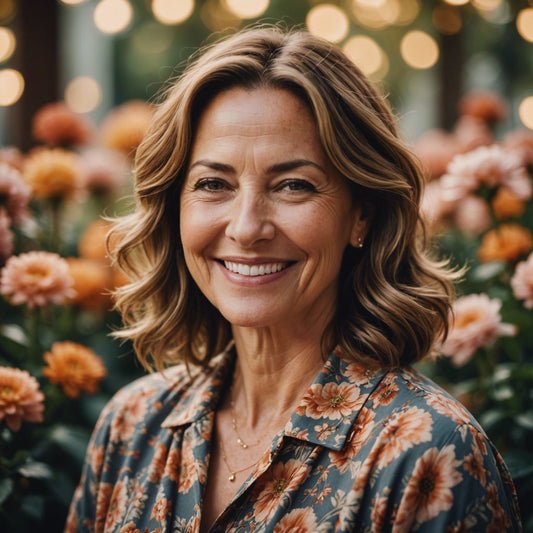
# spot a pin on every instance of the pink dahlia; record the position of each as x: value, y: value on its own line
x: 471, y: 133
x: 36, y: 279
x: 492, y: 166
x: 521, y: 142
x: 14, y: 193
x: 103, y: 170
x: 522, y: 282
x: 434, y: 208
x: 484, y: 105
x: 6, y: 237
x: 435, y: 149
x: 20, y: 398
x: 477, y: 324
x: 471, y: 215
x: 12, y: 156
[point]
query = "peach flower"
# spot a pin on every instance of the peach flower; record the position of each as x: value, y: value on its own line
x: 484, y: 105
x: 471, y: 215
x: 6, y: 237
x: 521, y: 142
x: 477, y: 324
x: 507, y: 204
x: 506, y: 243
x: 103, y: 170
x: 330, y: 400
x: 13, y: 157
x: 490, y: 166
x: 522, y: 282
x: 91, y: 283
x: 297, y: 521
x: 124, y: 128
x: 20, y: 398
x: 435, y: 149
x: 14, y: 193
x: 75, y: 367
x: 56, y: 124
x: 471, y: 133
x: 434, y: 208
x: 36, y: 279
x: 52, y: 173
x: 92, y: 242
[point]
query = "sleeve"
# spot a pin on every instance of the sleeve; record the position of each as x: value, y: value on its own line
x: 460, y: 485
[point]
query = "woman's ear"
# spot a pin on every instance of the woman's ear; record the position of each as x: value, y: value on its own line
x: 361, y: 225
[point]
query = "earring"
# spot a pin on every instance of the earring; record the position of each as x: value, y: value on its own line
x: 359, y: 242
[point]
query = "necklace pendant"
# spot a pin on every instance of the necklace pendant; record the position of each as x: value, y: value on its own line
x: 242, y: 443
x: 231, y: 477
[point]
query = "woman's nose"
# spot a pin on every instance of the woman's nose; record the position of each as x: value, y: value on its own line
x: 250, y: 219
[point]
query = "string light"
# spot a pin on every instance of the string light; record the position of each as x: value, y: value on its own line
x: 524, y: 24
x: 73, y: 2
x: 83, y: 94
x: 7, y: 43
x: 457, y: 2
x: 367, y: 55
x: 328, y: 21
x: 525, y: 112
x: 11, y: 86
x: 246, y: 9
x: 419, y: 50
x: 113, y: 16
x: 172, y: 11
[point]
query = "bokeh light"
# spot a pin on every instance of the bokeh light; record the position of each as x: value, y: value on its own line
x: 7, y: 11
x: 247, y: 9
x: 83, y: 94
x: 419, y: 50
x: 113, y: 16
x: 486, y: 5
x: 446, y: 19
x: 457, y: 2
x: 524, y: 24
x: 217, y: 17
x: 525, y: 112
x: 367, y: 55
x: 73, y: 2
x: 328, y: 21
x: 11, y: 86
x: 172, y: 11
x: 7, y: 43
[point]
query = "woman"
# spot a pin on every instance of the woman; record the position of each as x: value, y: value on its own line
x: 275, y: 251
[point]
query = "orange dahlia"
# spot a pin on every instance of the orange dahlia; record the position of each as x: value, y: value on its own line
x: 92, y: 242
x: 91, y: 280
x: 36, y: 279
x: 56, y: 124
x: 75, y: 367
x: 20, y: 398
x: 484, y: 105
x: 506, y: 243
x: 124, y: 128
x: 52, y: 173
x: 507, y: 204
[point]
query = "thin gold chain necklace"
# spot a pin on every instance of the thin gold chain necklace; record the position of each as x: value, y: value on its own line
x: 233, y: 473
x: 234, y: 425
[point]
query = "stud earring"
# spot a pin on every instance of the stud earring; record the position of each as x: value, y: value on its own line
x: 359, y: 242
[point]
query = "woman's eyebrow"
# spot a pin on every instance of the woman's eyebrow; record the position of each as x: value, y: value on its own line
x: 284, y: 166
x: 214, y: 165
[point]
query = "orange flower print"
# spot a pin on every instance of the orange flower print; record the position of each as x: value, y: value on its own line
x: 500, y: 521
x: 324, y: 431
x: 378, y: 513
x: 95, y: 456
x: 402, y: 432
x: 277, y: 483
x: 157, y: 466
x: 129, y: 528
x: 385, y: 393
x: 191, y: 470
x: 117, y: 505
x: 297, y: 521
x: 173, y: 464
x: 363, y: 427
x: 123, y: 425
x: 161, y: 509
x: 429, y: 491
x: 473, y: 463
x: 331, y: 400
x: 357, y: 373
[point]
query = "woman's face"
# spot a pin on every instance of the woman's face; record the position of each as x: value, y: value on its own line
x: 264, y: 217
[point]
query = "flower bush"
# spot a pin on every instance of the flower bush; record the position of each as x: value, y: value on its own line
x: 58, y: 365
x: 478, y: 207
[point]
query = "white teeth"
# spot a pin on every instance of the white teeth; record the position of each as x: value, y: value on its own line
x: 254, y: 270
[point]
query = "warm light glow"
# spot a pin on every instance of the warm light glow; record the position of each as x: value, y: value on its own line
x: 446, y: 19
x: 172, y: 11
x: 217, y: 17
x: 524, y: 24
x: 370, y: 3
x: 486, y: 5
x: 247, y: 9
x: 73, y: 2
x: 419, y: 50
x: 367, y: 55
x: 83, y: 94
x: 525, y: 112
x: 328, y: 21
x: 457, y: 2
x: 7, y: 43
x: 7, y: 11
x: 113, y: 16
x: 11, y: 86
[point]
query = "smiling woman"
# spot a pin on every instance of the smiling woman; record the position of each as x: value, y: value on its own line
x: 280, y: 283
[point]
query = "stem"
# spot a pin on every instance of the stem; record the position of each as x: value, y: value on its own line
x: 33, y: 331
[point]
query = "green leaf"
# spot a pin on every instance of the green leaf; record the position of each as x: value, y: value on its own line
x: 519, y: 462
x: 6, y: 488
x: 15, y: 334
x: 525, y: 420
x: 487, y: 271
x: 36, y: 470
x: 71, y: 440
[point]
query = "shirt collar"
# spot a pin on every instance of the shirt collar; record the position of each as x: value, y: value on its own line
x: 325, y: 415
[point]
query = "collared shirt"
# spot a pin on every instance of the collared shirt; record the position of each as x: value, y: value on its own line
x: 385, y: 451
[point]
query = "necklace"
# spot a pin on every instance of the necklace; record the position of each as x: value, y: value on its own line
x: 240, y: 441
x: 233, y: 473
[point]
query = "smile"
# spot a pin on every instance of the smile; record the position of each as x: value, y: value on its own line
x: 254, y: 270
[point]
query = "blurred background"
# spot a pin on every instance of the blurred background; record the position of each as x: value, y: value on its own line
x: 77, y: 83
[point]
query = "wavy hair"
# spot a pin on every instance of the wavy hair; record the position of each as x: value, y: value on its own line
x: 394, y: 300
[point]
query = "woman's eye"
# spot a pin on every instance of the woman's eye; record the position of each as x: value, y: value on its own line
x: 298, y: 185
x: 210, y: 185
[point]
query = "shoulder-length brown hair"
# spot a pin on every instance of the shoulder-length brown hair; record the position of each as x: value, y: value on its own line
x: 394, y: 301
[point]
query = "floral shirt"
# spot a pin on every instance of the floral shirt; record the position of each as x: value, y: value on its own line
x: 363, y: 452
